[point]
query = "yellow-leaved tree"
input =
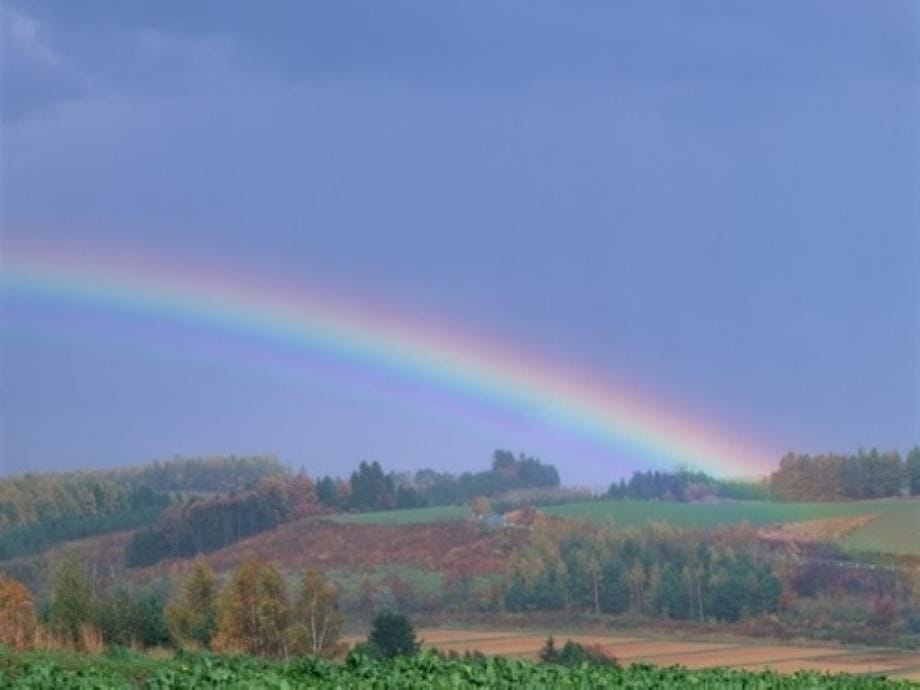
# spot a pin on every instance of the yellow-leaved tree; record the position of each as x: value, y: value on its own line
x: 254, y: 612
x: 317, y: 618
x: 192, y: 619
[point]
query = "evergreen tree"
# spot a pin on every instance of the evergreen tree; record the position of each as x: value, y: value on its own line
x: 392, y: 635
x: 913, y: 470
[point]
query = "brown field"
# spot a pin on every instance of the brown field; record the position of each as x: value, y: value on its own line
x: 692, y: 654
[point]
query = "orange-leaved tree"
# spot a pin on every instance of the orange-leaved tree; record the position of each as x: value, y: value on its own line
x: 17, y: 614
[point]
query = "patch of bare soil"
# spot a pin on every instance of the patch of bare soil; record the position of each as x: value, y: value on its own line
x: 325, y: 545
x: 810, y: 531
x: 732, y: 654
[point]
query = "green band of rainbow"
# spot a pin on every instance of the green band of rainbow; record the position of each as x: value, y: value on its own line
x: 470, y: 368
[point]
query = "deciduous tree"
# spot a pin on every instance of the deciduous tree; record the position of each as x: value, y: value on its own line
x: 192, y: 619
x: 17, y: 614
x: 317, y: 618
x: 254, y: 611
x: 71, y: 603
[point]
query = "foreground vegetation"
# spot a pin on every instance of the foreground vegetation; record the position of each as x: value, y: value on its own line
x: 427, y: 670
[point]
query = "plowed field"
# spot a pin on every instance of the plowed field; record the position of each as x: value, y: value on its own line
x: 692, y: 654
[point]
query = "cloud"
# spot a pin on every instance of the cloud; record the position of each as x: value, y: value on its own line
x: 47, y: 63
x: 34, y: 74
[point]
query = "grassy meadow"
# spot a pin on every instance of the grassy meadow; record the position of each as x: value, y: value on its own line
x: 896, y: 528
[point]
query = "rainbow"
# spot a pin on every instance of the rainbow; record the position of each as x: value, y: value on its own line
x: 616, y: 418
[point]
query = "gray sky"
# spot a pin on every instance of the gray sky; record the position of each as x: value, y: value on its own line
x: 718, y: 200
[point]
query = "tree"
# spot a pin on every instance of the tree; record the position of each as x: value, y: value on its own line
x: 480, y: 506
x: 392, y: 635
x: 192, y: 619
x: 254, y: 611
x: 71, y: 603
x: 913, y: 470
x: 17, y: 614
x: 326, y: 492
x: 317, y: 619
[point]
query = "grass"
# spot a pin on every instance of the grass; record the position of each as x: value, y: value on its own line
x: 405, y: 517
x: 895, y: 530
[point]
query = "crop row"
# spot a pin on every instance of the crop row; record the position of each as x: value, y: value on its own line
x: 35, y: 670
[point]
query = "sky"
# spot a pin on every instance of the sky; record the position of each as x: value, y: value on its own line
x: 716, y: 203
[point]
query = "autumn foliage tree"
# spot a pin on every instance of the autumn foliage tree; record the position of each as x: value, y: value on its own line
x: 17, y: 614
x: 192, y: 619
x: 254, y: 612
x: 71, y: 603
x: 317, y: 618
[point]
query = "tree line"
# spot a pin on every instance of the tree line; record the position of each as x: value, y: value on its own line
x: 371, y: 489
x: 200, y: 525
x: 835, y: 477
x: 800, y: 477
x: 56, y: 496
x: 251, y: 613
x: 680, y: 574
x: 684, y: 485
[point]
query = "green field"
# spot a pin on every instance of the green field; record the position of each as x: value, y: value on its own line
x: 895, y: 530
x: 128, y: 670
x: 405, y: 517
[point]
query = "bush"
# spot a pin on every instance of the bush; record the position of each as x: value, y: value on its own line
x: 575, y: 654
x: 391, y: 635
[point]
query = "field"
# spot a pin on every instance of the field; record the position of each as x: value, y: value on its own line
x: 404, y: 517
x: 693, y: 654
x: 895, y: 527
x: 127, y: 670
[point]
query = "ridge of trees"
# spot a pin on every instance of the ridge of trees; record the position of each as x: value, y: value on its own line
x: 799, y: 477
x: 370, y: 489
x: 56, y: 496
x: 836, y: 477
x: 200, y: 525
x: 34, y: 537
x: 684, y: 485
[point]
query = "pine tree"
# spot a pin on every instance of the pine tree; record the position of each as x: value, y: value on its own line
x: 392, y: 635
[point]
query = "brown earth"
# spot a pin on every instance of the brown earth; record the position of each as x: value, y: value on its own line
x: 443, y: 546
x: 811, y: 531
x: 692, y: 654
